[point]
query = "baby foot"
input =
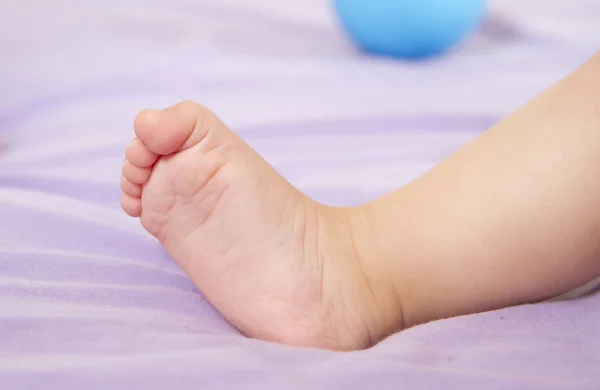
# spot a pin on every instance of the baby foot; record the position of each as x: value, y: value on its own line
x: 278, y: 265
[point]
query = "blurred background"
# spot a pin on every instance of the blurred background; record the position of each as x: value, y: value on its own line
x: 339, y: 123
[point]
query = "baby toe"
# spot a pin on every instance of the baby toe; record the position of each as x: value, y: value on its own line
x: 152, y: 132
x: 138, y: 154
x: 131, y: 189
x: 132, y: 206
x: 176, y: 128
x: 135, y: 174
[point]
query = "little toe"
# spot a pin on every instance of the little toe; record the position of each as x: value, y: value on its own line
x: 138, y: 154
x: 176, y: 128
x: 135, y: 174
x: 132, y: 206
x: 131, y: 189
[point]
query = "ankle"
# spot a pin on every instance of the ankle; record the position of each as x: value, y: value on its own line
x: 385, y: 310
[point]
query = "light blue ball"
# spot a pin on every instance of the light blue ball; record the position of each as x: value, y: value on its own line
x: 409, y: 29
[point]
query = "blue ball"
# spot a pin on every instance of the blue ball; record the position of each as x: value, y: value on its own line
x: 410, y: 29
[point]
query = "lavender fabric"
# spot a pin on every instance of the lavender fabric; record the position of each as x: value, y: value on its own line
x: 89, y: 300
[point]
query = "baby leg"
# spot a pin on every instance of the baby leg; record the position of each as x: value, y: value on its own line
x: 512, y: 217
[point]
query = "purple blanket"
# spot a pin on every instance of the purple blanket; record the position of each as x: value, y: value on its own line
x: 88, y: 300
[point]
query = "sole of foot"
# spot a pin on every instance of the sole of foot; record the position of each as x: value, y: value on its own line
x: 278, y: 265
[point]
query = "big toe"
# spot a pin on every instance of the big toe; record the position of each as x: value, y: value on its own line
x: 174, y: 129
